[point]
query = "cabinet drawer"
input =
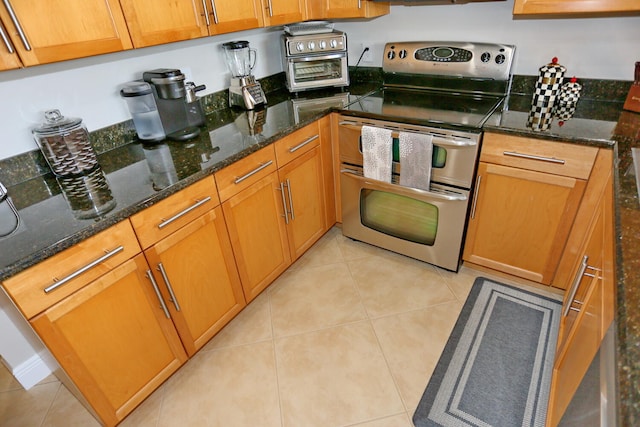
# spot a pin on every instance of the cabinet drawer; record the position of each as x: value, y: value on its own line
x: 243, y: 173
x: 297, y: 143
x: 557, y: 158
x: 172, y: 213
x: 43, y: 285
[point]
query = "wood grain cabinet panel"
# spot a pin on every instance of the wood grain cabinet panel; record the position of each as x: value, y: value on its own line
x: 335, y: 9
x: 65, y: 29
x: 9, y: 59
x: 280, y: 12
x: 556, y: 7
x: 113, y: 340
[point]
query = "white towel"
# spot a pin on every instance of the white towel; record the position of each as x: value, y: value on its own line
x: 415, y: 159
x: 377, y: 153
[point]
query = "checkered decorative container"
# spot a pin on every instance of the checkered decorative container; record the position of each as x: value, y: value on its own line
x: 567, y: 100
x: 546, y: 91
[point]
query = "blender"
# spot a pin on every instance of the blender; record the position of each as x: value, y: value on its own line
x: 244, y: 91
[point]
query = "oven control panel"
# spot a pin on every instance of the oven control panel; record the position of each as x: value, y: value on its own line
x: 313, y: 44
x: 461, y: 59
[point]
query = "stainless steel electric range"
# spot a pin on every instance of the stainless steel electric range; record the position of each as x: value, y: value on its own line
x: 445, y: 91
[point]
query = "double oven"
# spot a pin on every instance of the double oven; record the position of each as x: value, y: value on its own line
x: 446, y: 91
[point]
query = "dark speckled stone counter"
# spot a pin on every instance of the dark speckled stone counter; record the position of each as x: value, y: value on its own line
x: 139, y: 176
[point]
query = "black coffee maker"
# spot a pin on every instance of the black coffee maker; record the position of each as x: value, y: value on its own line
x: 179, y: 108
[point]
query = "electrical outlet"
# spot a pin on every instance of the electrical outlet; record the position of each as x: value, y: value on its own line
x: 367, y: 57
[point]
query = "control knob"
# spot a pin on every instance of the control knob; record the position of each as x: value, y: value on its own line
x: 322, y: 44
x: 500, y: 59
x: 311, y: 45
x: 403, y: 54
x: 485, y: 57
x: 299, y: 46
x: 391, y: 54
x: 333, y: 43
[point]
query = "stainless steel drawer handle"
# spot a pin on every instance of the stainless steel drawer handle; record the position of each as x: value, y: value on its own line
x: 174, y: 300
x: 57, y: 283
x: 206, y: 12
x: 438, y: 139
x: 288, y: 184
x: 197, y: 204
x: 284, y: 203
x: 16, y: 23
x: 582, y: 271
x: 533, y: 157
x: 239, y: 179
x: 270, y: 7
x: 5, y: 39
x: 156, y: 289
x: 303, y: 143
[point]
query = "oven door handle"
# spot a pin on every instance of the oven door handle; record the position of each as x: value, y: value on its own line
x: 437, y: 140
x: 317, y: 58
x: 405, y: 191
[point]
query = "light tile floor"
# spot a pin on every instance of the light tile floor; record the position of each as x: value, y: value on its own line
x: 348, y: 336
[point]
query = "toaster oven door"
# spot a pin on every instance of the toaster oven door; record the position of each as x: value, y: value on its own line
x: 311, y: 72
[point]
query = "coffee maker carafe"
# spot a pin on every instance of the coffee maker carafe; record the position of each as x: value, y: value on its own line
x: 244, y: 91
x: 179, y: 108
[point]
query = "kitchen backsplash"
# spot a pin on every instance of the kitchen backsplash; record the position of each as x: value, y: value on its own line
x: 32, y: 164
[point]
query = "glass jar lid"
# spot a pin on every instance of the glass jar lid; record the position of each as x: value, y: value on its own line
x: 56, y: 124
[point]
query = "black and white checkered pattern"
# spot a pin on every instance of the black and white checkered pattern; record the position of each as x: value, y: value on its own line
x: 545, y: 93
x: 567, y: 100
x: 540, y: 117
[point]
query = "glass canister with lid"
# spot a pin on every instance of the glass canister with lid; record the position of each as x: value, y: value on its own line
x: 65, y: 144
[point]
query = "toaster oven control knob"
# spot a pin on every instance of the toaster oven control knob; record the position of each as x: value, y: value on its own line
x: 300, y: 46
x: 403, y: 54
x: 333, y: 43
x: 500, y: 59
x: 311, y: 45
x: 322, y: 44
x: 485, y: 57
x: 391, y: 54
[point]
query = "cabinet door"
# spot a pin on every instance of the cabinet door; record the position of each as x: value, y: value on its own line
x: 533, y: 7
x: 346, y: 9
x: 195, y: 269
x: 256, y: 227
x: 234, y: 15
x: 305, y: 217
x: 581, y: 329
x: 113, y: 340
x: 521, y: 220
x: 151, y: 22
x: 280, y: 12
x: 65, y: 29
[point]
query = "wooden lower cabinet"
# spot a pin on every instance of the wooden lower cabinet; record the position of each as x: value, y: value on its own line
x: 557, y: 7
x: 254, y: 218
x: 113, y: 340
x: 521, y: 220
x: 196, y: 272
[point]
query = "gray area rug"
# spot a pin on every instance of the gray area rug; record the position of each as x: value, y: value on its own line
x: 496, y: 367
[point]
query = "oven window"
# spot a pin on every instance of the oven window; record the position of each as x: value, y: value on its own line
x: 399, y: 216
x: 438, y: 157
x: 317, y: 70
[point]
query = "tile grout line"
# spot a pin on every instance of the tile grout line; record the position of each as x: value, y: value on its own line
x: 48, y: 411
x: 275, y: 358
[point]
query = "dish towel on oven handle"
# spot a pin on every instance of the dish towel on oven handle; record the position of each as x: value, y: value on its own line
x: 415, y: 159
x: 377, y: 153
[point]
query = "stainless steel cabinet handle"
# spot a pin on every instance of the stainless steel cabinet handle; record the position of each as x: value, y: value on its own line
x: 437, y: 140
x: 5, y: 39
x: 475, y: 197
x: 303, y: 143
x: 16, y: 23
x: 206, y: 12
x: 238, y: 180
x: 533, y: 157
x: 359, y: 4
x: 215, y: 12
x: 174, y: 300
x: 575, y: 284
x: 197, y: 204
x: 288, y: 184
x: 57, y: 283
x: 284, y: 204
x: 270, y: 7
x: 158, y: 294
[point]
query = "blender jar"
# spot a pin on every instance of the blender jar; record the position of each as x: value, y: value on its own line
x: 64, y: 142
x: 143, y: 109
x: 239, y: 58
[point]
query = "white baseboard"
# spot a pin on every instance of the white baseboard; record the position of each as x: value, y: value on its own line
x: 32, y: 371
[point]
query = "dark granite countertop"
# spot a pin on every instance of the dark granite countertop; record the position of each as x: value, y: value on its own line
x: 139, y: 176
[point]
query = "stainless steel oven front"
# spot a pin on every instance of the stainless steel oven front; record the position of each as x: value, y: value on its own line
x: 426, y: 225
x: 314, y: 61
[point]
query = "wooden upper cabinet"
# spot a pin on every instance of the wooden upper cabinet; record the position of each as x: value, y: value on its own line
x: 66, y: 29
x: 8, y: 56
x: 153, y: 23
x: 550, y: 7
x: 280, y: 12
x: 320, y: 9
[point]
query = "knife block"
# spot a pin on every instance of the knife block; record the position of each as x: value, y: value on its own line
x: 633, y: 98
